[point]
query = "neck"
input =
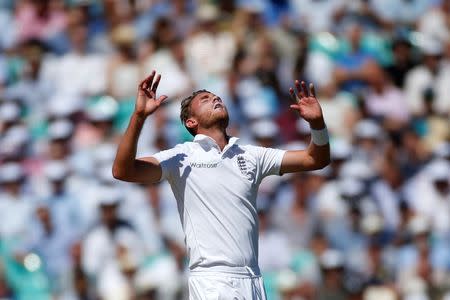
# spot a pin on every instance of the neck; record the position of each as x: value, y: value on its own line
x: 217, y: 134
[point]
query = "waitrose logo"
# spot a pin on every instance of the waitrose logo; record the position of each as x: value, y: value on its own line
x: 203, y: 165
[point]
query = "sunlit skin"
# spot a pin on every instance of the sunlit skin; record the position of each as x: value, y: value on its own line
x: 208, y: 111
x: 209, y: 116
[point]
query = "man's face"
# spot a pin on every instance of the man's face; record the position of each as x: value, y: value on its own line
x: 207, y: 110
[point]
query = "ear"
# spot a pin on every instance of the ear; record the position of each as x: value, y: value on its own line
x: 191, y: 123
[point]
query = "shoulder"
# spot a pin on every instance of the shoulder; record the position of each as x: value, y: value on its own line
x: 179, y: 148
x: 185, y: 148
x: 176, y: 153
x: 249, y: 149
x: 260, y: 151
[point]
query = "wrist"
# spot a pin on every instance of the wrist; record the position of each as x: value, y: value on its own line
x: 139, y: 117
x: 317, y: 124
x: 320, y: 137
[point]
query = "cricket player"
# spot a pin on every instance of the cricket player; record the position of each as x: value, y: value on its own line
x: 215, y: 181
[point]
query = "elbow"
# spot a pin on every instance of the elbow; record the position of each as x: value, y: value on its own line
x: 117, y: 173
x: 323, y: 162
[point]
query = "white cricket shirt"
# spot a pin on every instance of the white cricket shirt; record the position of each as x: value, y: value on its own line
x: 216, y: 196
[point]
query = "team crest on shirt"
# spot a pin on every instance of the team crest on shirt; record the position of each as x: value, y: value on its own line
x: 247, y: 167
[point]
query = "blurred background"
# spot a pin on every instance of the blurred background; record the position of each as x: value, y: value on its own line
x: 375, y: 224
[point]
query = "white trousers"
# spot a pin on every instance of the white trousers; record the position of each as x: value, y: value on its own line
x: 213, y: 285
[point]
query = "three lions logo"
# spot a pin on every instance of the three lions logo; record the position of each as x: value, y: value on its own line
x: 247, y: 167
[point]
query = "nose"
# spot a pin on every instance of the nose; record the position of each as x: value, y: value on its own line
x: 217, y: 98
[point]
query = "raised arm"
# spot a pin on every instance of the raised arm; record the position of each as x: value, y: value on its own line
x: 317, y: 155
x: 126, y: 167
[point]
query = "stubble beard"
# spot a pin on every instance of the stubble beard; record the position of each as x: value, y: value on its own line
x: 220, y: 120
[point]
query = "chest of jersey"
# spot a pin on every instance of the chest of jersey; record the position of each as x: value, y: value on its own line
x: 233, y: 171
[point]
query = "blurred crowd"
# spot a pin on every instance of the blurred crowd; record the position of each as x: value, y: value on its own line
x: 375, y: 224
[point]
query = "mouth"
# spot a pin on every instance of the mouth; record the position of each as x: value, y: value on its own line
x: 218, y: 105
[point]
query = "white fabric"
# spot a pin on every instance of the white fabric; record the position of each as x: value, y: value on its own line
x: 215, y: 286
x: 141, y: 216
x: 216, y: 195
x: 100, y: 248
x: 434, y: 24
x: 87, y: 74
x: 209, y: 54
x: 420, y: 78
x: 337, y: 110
x: 275, y: 253
x: 390, y: 103
x: 124, y: 80
x: 436, y: 208
x: 15, y: 213
x: 171, y: 71
x: 399, y: 10
x: 329, y: 203
x: 315, y: 16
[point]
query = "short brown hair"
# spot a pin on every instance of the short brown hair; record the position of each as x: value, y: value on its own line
x: 186, y: 108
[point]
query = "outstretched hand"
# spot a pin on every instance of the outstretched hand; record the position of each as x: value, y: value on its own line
x: 147, y: 102
x: 306, y: 103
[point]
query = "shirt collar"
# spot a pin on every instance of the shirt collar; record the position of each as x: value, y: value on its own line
x: 209, y: 141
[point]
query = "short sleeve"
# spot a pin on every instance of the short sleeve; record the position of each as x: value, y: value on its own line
x: 170, y: 161
x: 269, y: 160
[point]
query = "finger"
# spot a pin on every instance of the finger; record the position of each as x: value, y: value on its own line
x: 296, y: 108
x: 161, y: 99
x: 299, y: 89
x: 305, y: 89
x: 155, y: 85
x: 149, y: 79
x: 143, y: 84
x: 147, y: 93
x: 292, y: 95
x: 312, y: 89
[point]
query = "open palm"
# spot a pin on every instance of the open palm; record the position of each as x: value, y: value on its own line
x: 306, y: 102
x: 147, y: 102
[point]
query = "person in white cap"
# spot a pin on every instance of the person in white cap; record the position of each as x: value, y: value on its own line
x: 52, y: 242
x: 332, y: 265
x: 215, y: 181
x: 341, y: 151
x: 16, y: 207
x: 106, y: 241
x: 368, y: 137
x: 425, y: 256
x: 59, y: 134
x: 14, y: 143
x: 100, y: 116
x: 433, y: 184
x: 210, y: 50
x: 430, y: 75
x: 60, y: 201
x: 9, y: 115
